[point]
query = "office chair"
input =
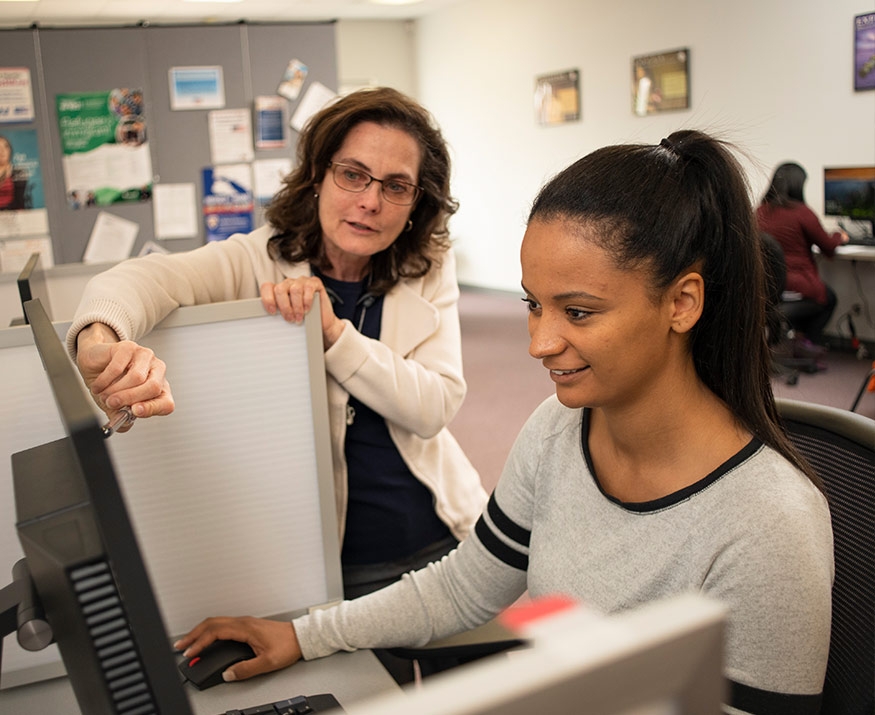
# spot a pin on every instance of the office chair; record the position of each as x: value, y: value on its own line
x: 780, y: 314
x: 840, y: 446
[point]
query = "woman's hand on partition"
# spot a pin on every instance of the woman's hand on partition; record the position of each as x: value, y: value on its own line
x: 275, y: 643
x: 122, y: 374
x: 294, y: 297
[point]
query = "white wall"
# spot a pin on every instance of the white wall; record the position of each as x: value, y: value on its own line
x: 376, y: 53
x: 774, y: 77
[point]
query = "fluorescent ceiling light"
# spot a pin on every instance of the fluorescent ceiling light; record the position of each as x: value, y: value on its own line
x: 19, y: 0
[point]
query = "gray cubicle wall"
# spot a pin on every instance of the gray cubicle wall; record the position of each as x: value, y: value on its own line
x: 253, y: 58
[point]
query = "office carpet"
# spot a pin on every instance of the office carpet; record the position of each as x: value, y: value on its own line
x: 505, y: 384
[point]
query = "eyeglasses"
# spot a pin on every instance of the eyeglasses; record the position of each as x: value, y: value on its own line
x: 395, y: 191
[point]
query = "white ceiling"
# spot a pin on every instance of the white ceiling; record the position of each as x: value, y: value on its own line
x: 53, y: 13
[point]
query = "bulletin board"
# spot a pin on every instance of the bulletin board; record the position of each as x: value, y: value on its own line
x: 253, y: 59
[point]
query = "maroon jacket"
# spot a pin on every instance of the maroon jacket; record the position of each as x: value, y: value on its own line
x: 797, y: 229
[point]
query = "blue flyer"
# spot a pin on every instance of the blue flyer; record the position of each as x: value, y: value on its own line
x: 227, y: 203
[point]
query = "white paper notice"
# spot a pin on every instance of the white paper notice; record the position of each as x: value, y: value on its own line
x: 231, y: 136
x: 175, y: 210
x: 15, y: 254
x: 112, y: 239
x: 316, y: 97
x: 268, y: 175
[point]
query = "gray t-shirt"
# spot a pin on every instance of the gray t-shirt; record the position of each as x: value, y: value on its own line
x: 754, y: 534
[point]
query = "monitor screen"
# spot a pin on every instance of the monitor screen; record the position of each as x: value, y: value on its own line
x: 32, y: 284
x: 849, y: 192
x: 86, y: 564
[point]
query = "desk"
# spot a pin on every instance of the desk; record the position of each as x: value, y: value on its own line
x: 851, y: 274
x: 855, y: 253
x: 349, y: 676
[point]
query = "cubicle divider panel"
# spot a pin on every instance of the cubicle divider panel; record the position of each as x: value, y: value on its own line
x: 232, y: 495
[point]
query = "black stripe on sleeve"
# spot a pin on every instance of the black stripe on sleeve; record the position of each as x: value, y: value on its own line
x: 765, y: 702
x: 506, y: 525
x: 498, y: 548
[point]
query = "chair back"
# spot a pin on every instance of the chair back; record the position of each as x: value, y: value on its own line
x: 840, y: 447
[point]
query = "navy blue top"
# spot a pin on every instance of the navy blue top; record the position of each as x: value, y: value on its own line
x: 390, y: 513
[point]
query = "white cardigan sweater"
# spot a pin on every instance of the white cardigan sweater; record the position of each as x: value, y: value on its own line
x: 412, y: 375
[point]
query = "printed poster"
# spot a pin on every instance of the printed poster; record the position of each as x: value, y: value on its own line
x: 105, y: 151
x: 21, y: 180
x: 196, y: 88
x: 864, y: 52
x: 22, y: 201
x: 230, y: 136
x: 661, y: 82
x: 227, y: 203
x: 270, y: 122
x: 557, y: 97
x: 16, y: 95
x: 293, y: 80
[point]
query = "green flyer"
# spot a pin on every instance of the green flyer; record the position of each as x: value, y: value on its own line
x: 106, y: 152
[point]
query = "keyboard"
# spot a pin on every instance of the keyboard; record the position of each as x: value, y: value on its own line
x: 861, y: 241
x: 299, y: 705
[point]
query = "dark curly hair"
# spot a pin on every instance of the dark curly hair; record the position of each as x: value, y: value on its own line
x: 294, y: 214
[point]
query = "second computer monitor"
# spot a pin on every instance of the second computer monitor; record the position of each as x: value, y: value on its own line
x: 83, y: 555
x: 32, y: 284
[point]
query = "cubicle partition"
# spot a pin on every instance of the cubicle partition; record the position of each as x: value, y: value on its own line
x: 231, y: 495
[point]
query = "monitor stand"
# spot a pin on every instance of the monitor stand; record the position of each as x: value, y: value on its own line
x: 21, y: 612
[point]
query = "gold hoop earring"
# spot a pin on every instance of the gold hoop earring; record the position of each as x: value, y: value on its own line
x: 409, y: 225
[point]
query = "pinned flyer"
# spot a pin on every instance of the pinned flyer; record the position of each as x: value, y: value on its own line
x: 293, y: 80
x: 316, y: 97
x: 112, y: 239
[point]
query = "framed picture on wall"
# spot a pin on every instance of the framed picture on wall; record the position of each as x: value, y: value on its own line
x: 661, y: 82
x: 557, y: 97
x: 864, y: 52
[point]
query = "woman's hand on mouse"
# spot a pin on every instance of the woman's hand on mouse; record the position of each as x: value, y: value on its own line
x: 275, y: 643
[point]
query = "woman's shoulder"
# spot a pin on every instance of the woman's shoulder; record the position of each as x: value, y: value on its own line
x: 770, y: 484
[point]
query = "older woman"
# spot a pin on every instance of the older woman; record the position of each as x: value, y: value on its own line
x: 361, y: 226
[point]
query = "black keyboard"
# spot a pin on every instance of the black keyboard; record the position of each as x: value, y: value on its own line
x: 861, y: 241
x: 299, y: 705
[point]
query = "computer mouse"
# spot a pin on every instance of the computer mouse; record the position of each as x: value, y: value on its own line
x: 205, y: 669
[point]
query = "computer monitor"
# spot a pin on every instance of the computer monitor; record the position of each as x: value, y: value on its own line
x: 32, y: 284
x: 663, y: 658
x: 84, y: 559
x: 849, y: 192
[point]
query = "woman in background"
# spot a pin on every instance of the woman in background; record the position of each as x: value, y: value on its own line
x: 784, y: 215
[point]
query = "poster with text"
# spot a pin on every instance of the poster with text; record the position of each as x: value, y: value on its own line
x: 22, y: 201
x: 270, y: 122
x: 661, y: 82
x: 196, y: 88
x: 864, y: 51
x: 21, y: 180
x: 16, y: 95
x: 227, y: 202
x: 105, y: 151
